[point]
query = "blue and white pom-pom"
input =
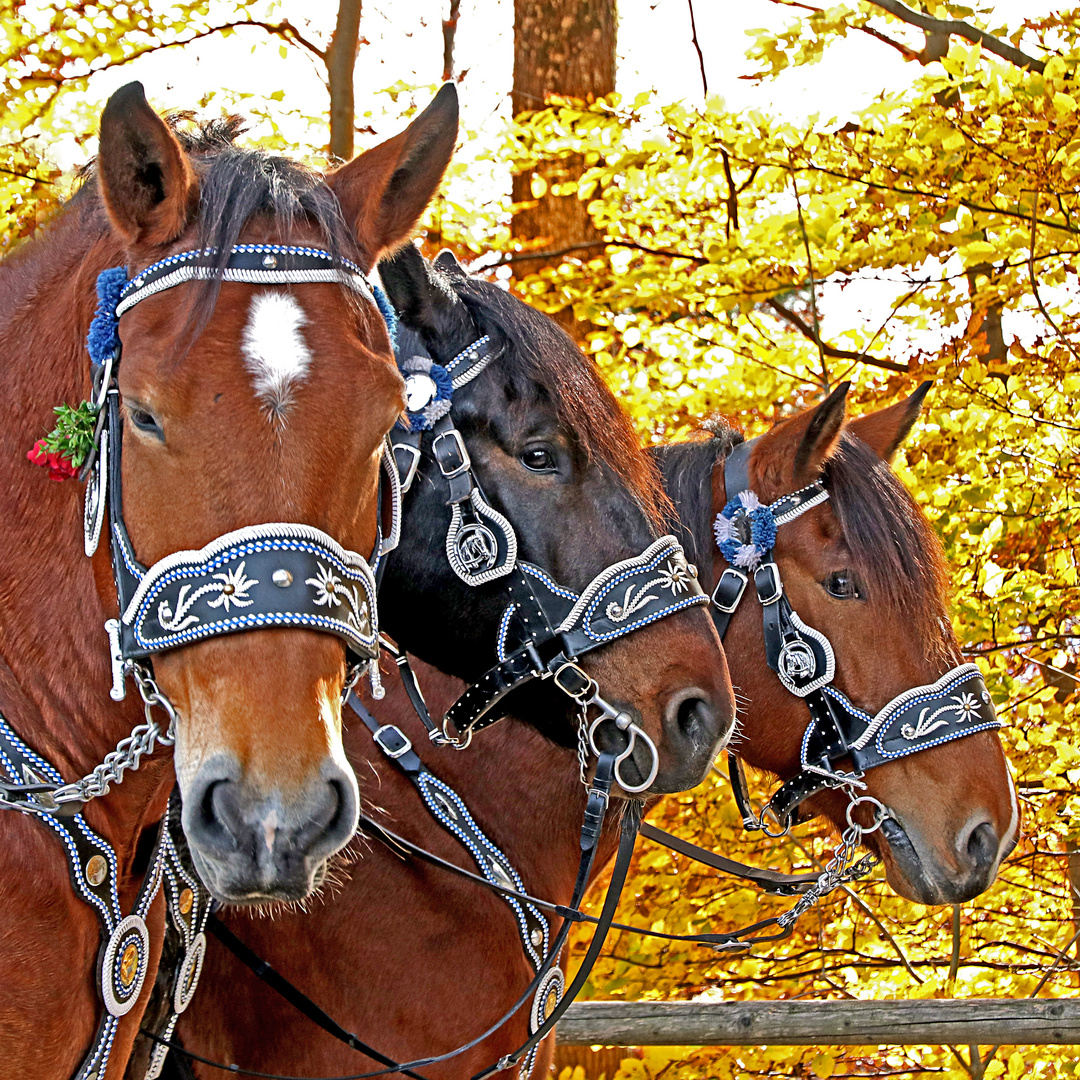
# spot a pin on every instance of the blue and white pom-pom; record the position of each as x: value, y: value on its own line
x: 745, y: 531
x: 103, y: 339
x: 428, y: 392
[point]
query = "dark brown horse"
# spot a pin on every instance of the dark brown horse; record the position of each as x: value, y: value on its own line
x: 240, y: 405
x: 416, y: 961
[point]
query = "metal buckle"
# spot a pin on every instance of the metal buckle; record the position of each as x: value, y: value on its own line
x: 729, y: 607
x: 396, y: 752
x: 463, y: 465
x: 768, y: 575
x: 410, y: 469
x: 573, y: 682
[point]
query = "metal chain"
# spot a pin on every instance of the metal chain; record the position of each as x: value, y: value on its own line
x: 843, y: 866
x: 129, y: 751
x: 583, y: 744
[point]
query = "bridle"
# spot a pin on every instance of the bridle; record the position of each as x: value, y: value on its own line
x: 282, y: 574
x: 955, y: 706
x: 546, y: 628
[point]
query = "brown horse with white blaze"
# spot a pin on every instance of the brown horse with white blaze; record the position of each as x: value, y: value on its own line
x: 239, y: 399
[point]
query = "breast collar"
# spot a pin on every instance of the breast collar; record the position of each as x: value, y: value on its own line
x: 546, y: 627
x: 955, y: 706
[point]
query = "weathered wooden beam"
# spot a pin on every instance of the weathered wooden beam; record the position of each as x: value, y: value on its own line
x: 937, y: 1022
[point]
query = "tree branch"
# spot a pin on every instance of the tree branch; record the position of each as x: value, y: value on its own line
x: 697, y: 48
x: 807, y: 332
x: 934, y: 27
x: 449, y: 29
x: 340, y: 62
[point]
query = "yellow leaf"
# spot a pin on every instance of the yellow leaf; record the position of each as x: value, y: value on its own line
x: 538, y: 186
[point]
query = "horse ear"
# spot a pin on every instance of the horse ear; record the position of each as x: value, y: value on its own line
x: 384, y: 191
x: 795, y: 451
x: 883, y: 431
x: 446, y: 261
x: 422, y: 295
x: 147, y: 185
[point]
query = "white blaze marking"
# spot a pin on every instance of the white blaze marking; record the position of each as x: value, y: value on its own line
x: 274, y: 349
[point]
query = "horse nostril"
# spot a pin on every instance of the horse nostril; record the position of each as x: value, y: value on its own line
x: 982, y: 847
x: 695, y: 718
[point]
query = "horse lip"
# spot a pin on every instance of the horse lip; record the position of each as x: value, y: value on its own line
x: 907, y: 859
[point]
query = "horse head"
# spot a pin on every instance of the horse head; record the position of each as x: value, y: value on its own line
x: 244, y: 404
x: 560, y: 464
x: 863, y: 568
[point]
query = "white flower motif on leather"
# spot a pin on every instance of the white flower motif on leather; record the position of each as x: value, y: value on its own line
x: 234, y: 589
x: 328, y: 587
x: 675, y: 576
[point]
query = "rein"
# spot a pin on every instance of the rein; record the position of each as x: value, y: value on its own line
x: 955, y: 706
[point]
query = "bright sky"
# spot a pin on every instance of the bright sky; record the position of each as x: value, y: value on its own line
x: 655, y: 53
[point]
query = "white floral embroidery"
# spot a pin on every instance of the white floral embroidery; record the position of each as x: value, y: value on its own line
x: 231, y: 588
x: 676, y: 576
x: 331, y: 591
x: 966, y: 708
x: 234, y: 589
x: 621, y: 612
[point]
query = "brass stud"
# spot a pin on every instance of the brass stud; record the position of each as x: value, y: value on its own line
x: 97, y: 869
x: 269, y: 261
x: 186, y: 901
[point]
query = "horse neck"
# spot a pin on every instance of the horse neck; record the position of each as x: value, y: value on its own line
x: 54, y: 661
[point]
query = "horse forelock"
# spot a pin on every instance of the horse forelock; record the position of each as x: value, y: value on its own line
x: 536, y: 352
x: 893, y: 548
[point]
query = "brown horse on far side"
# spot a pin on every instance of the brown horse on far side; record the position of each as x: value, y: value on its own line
x: 231, y: 419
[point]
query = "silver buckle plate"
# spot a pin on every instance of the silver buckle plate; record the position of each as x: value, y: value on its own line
x: 399, y: 751
x: 463, y: 454
x: 727, y: 609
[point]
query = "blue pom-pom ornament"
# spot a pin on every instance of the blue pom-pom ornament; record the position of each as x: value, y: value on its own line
x: 103, y: 340
x: 745, y: 531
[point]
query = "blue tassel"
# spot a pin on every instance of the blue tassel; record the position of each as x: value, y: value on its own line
x: 386, y: 309
x: 103, y: 340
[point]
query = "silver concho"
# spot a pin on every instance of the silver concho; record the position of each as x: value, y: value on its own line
x: 123, y: 965
x: 187, y: 978
x: 548, y: 994
x: 476, y: 547
x: 797, y: 665
x: 420, y: 391
x: 94, y: 500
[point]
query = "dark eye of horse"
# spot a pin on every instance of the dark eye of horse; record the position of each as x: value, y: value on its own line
x: 539, y: 459
x: 145, y: 421
x: 843, y: 585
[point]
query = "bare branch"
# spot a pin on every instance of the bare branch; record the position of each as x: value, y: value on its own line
x: 697, y: 48
x: 830, y: 350
x: 449, y: 29
x: 1035, y: 283
x: 937, y: 27
x: 906, y: 52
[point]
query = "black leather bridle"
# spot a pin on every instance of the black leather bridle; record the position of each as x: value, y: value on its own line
x: 546, y: 627
x: 955, y: 706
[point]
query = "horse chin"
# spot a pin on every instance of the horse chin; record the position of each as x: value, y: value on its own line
x: 915, y: 873
x: 224, y: 885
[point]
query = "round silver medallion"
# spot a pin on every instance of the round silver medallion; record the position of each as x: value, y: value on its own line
x: 797, y: 662
x: 476, y: 547
x: 123, y: 965
x: 420, y: 391
x: 187, y: 978
x: 548, y: 994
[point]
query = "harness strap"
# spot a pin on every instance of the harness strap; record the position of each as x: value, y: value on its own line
x: 298, y: 1000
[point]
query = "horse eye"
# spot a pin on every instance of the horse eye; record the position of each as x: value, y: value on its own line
x: 145, y: 421
x: 539, y: 459
x: 843, y: 585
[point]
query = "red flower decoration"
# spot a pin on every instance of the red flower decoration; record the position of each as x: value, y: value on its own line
x: 60, y: 468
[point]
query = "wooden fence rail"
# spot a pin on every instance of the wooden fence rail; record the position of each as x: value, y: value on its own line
x: 937, y: 1022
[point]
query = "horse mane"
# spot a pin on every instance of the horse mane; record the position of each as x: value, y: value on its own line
x: 687, y: 468
x: 894, y: 550
x: 536, y: 351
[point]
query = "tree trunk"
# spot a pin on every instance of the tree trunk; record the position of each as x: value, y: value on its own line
x: 562, y: 47
x: 340, y: 62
